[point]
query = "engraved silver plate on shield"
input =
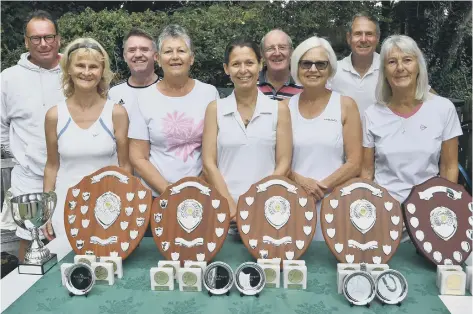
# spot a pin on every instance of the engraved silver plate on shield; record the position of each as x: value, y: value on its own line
x: 363, y: 215
x: 277, y: 211
x: 107, y: 209
x: 444, y: 222
x: 189, y: 214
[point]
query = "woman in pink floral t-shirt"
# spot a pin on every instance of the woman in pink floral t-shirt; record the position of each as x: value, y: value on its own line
x: 166, y: 125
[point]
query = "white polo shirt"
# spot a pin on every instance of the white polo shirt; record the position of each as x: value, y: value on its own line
x: 173, y: 126
x: 349, y: 83
x: 246, y: 155
x: 407, y: 150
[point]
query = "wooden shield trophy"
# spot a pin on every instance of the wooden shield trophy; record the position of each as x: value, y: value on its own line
x: 276, y: 219
x: 438, y: 215
x: 107, y: 213
x: 361, y: 222
x: 190, y: 221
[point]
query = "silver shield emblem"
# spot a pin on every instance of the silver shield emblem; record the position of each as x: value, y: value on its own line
x: 362, y: 215
x: 189, y: 214
x: 277, y: 211
x: 107, y: 209
x: 444, y: 222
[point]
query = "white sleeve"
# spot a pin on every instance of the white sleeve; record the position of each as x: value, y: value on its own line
x: 5, y: 120
x: 368, y: 140
x: 452, y: 127
x: 138, y: 128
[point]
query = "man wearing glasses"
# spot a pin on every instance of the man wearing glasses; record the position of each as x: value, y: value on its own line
x: 29, y: 89
x: 357, y: 74
x: 139, y: 52
x: 275, y: 79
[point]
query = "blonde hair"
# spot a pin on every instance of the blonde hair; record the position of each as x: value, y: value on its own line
x: 90, y: 47
x: 407, y: 45
x: 305, y: 46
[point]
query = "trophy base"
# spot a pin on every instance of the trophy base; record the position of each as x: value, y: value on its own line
x: 37, y: 269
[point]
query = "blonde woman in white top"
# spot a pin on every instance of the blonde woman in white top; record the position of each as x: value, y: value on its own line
x: 409, y: 135
x: 247, y: 136
x: 86, y: 132
x: 326, y: 125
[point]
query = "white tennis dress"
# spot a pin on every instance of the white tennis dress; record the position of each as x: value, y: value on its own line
x: 81, y: 152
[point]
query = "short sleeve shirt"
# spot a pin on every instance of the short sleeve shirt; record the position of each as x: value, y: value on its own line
x: 174, y: 127
x: 407, y: 150
x: 127, y: 95
x: 349, y: 83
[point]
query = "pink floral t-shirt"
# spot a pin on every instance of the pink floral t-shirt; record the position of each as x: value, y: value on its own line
x: 174, y: 127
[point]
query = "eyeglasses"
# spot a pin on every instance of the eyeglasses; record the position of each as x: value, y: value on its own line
x: 282, y: 48
x: 306, y: 64
x: 36, y: 40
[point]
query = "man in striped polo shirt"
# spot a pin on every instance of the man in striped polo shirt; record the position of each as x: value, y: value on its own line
x: 275, y: 79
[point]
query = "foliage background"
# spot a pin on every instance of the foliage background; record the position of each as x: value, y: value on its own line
x: 442, y: 29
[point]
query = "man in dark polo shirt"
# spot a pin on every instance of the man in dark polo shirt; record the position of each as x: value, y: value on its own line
x: 275, y: 79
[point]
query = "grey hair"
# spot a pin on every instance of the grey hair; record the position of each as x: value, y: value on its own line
x: 175, y: 31
x: 366, y: 16
x: 305, y: 46
x: 407, y: 45
x: 289, y: 40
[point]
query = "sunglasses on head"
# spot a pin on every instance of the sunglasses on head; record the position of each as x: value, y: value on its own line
x: 84, y: 45
x: 307, y: 64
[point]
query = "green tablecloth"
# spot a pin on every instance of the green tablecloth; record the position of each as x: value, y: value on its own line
x: 132, y: 293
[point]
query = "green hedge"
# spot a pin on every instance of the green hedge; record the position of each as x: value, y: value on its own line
x: 213, y: 25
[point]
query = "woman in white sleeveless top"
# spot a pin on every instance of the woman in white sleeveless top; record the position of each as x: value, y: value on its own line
x: 86, y: 132
x: 247, y: 136
x: 326, y: 125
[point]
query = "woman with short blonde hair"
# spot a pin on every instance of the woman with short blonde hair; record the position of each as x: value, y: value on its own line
x: 86, y: 132
x: 409, y: 135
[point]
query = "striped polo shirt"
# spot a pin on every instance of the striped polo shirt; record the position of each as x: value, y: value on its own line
x: 289, y: 89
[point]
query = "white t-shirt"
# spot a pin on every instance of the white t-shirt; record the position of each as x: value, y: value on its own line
x: 174, y: 127
x: 318, y: 144
x: 127, y: 95
x: 349, y: 83
x: 407, y: 150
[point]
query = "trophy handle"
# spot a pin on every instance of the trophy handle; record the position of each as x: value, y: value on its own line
x: 8, y: 197
x: 52, y: 201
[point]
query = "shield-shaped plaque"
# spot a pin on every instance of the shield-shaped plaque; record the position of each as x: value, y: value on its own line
x: 190, y: 221
x: 276, y: 219
x: 361, y: 222
x: 110, y: 213
x: 438, y: 217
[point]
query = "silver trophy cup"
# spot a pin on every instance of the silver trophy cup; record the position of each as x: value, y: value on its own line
x: 32, y: 211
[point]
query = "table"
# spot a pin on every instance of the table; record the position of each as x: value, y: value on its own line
x: 132, y: 293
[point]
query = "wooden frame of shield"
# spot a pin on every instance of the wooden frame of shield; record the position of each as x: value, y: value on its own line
x: 361, y: 222
x: 107, y: 213
x: 276, y: 219
x: 438, y: 215
x: 190, y: 221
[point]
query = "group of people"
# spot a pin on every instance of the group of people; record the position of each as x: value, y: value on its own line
x: 303, y: 115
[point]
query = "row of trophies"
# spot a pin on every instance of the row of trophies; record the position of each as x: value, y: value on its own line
x: 108, y: 212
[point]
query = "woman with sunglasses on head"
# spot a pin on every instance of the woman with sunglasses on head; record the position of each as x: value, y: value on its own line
x: 247, y: 136
x: 86, y: 132
x: 326, y: 125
